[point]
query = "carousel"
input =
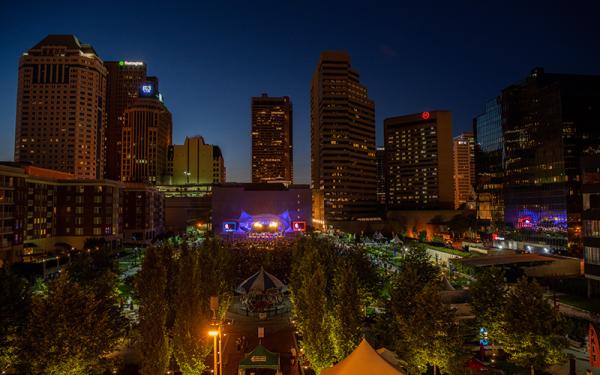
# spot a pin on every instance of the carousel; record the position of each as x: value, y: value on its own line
x: 261, y: 292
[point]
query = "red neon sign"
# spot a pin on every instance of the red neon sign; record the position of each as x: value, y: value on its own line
x: 425, y: 115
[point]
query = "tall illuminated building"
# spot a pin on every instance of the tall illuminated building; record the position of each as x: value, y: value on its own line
x: 123, y: 83
x: 272, y: 152
x: 489, y: 167
x: 419, y: 163
x: 146, y: 136
x: 380, y: 158
x: 464, y: 168
x: 343, y: 167
x: 61, y: 103
x: 547, y: 121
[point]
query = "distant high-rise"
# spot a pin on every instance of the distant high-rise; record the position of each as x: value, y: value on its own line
x: 489, y: 169
x: 147, y: 134
x: 380, y: 158
x: 419, y: 165
x: 547, y: 121
x: 123, y: 83
x: 61, y: 102
x: 343, y: 168
x: 272, y: 153
x: 464, y: 168
x: 195, y: 162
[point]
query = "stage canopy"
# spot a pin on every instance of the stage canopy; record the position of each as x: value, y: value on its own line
x: 363, y: 360
x: 261, y: 282
x: 260, y: 357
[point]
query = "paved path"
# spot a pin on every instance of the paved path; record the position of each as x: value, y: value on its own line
x: 278, y: 338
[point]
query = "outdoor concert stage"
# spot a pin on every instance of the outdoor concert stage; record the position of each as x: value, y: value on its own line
x: 260, y: 211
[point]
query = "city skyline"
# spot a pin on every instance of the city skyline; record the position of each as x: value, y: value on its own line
x: 400, y: 63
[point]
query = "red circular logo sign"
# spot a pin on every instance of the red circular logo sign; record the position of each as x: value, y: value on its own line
x: 425, y: 115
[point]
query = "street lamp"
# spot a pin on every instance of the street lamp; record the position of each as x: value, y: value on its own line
x: 214, y: 335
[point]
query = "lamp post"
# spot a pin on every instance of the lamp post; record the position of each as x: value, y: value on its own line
x: 214, y: 335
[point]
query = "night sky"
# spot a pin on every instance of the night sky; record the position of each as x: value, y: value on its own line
x: 211, y: 57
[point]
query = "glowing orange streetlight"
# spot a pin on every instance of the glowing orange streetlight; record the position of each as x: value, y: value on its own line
x: 214, y: 335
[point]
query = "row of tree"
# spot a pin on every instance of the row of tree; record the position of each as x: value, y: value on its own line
x: 68, y: 325
x: 330, y: 288
x: 174, y: 288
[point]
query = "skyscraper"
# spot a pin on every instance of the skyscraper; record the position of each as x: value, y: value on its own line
x: 343, y: 170
x: 489, y: 167
x: 272, y: 153
x: 464, y: 168
x: 195, y: 162
x: 418, y: 150
x: 123, y: 83
x: 61, y: 106
x: 146, y: 137
x: 590, y: 165
x: 380, y: 158
x: 547, y: 121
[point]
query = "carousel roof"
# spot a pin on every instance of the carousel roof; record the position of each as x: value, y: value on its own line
x: 261, y: 281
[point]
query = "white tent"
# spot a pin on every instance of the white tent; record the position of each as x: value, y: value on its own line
x: 363, y: 360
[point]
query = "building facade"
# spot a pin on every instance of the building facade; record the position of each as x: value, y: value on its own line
x: 123, y: 84
x: 146, y: 137
x: 590, y: 165
x: 547, y: 121
x: 61, y: 103
x: 343, y: 166
x: 489, y: 167
x: 46, y: 210
x: 143, y: 213
x: 464, y: 169
x: 195, y: 162
x: 381, y: 183
x: 419, y: 162
x: 272, y: 139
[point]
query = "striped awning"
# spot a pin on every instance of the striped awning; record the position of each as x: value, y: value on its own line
x: 261, y: 282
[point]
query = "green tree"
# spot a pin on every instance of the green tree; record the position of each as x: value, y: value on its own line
x: 192, y: 316
x: 69, y: 329
x: 347, y: 313
x: 417, y: 259
x: 155, y: 346
x: 15, y: 300
x: 488, y: 294
x: 429, y: 336
x: 531, y: 330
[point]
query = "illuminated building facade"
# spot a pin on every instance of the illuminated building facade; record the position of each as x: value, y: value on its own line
x: 380, y: 159
x: 260, y: 210
x: 419, y: 162
x: 123, y: 83
x: 272, y: 139
x: 61, y: 101
x: 46, y: 210
x: 146, y: 136
x: 489, y: 169
x: 343, y: 166
x: 590, y: 165
x: 464, y: 168
x: 195, y: 162
x: 547, y: 121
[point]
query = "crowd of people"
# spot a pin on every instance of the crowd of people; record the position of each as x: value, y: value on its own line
x: 274, y: 255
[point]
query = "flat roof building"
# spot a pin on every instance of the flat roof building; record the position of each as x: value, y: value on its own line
x: 419, y: 161
x: 272, y: 139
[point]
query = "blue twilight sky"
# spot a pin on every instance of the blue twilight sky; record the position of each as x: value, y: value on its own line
x: 212, y: 56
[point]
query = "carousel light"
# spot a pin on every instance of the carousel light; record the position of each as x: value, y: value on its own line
x: 273, y: 224
x: 257, y: 224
